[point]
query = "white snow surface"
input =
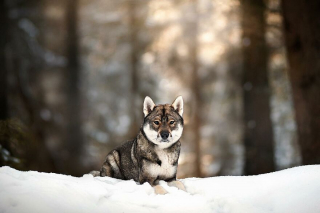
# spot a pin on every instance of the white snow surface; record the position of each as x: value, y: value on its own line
x: 292, y: 190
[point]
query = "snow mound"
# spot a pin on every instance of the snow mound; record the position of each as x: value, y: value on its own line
x: 292, y: 190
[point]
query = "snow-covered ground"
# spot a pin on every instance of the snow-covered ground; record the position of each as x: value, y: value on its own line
x: 291, y: 190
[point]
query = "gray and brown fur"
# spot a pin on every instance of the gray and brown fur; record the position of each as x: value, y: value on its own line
x: 153, y: 155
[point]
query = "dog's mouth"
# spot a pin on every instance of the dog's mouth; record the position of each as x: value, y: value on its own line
x: 162, y: 140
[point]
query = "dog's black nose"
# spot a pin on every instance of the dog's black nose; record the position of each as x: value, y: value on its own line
x: 164, y: 135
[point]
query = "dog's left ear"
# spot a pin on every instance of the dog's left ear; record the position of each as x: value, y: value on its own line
x: 148, y: 105
x: 178, y: 105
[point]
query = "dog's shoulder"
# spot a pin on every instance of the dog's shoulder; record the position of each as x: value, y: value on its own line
x: 125, y: 145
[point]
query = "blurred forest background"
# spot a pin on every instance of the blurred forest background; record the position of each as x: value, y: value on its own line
x: 74, y: 74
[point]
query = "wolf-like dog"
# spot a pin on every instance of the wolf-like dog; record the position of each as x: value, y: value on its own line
x: 153, y: 155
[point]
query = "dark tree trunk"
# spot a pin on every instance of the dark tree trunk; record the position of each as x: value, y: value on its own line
x: 3, y: 65
x: 258, y: 136
x: 302, y: 37
x: 197, y: 119
x: 196, y: 89
x: 3, y: 79
x: 75, y: 140
x: 134, y: 64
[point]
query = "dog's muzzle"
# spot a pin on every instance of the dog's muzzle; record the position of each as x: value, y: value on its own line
x: 164, y: 135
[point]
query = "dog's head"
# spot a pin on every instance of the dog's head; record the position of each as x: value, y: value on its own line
x: 163, y: 123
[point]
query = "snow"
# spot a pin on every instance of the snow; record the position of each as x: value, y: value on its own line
x: 292, y: 190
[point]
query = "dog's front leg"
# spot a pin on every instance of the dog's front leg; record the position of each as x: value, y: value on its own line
x: 159, y: 190
x: 177, y: 184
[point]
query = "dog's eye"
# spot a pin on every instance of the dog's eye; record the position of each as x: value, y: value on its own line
x: 156, y: 122
x: 171, y: 122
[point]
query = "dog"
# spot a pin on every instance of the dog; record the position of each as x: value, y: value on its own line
x: 153, y: 155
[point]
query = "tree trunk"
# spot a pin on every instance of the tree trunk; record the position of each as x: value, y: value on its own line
x: 3, y: 79
x: 74, y: 135
x: 258, y: 136
x: 134, y: 72
x: 196, y: 85
x: 197, y: 119
x: 3, y: 65
x: 302, y: 37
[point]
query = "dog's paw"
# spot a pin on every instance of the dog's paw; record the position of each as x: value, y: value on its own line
x: 177, y: 184
x: 95, y: 173
x: 159, y: 190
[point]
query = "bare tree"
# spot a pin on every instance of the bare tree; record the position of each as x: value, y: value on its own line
x: 302, y: 36
x: 258, y: 135
x: 74, y: 139
x: 3, y: 66
x: 3, y: 78
x: 134, y: 59
x: 196, y: 88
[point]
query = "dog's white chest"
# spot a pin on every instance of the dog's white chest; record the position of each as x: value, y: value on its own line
x: 166, y: 168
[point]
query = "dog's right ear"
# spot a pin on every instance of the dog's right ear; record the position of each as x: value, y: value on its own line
x: 148, y: 105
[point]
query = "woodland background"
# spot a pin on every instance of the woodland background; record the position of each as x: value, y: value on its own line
x: 74, y: 74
